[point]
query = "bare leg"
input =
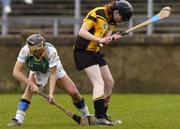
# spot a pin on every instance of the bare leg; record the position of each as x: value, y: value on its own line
x: 108, y: 80
x: 96, y: 79
x: 109, y: 83
x: 25, y: 101
x: 94, y: 75
x: 67, y: 85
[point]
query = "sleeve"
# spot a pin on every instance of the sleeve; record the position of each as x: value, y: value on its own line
x: 23, y: 54
x: 90, y: 19
x: 53, y: 58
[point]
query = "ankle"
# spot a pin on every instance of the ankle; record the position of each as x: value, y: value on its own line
x: 84, y: 111
x: 99, y: 108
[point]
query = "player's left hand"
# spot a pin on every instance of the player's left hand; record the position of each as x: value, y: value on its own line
x: 51, y: 99
x: 116, y: 36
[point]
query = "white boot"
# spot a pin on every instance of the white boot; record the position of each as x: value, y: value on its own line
x: 18, y: 120
x: 13, y: 123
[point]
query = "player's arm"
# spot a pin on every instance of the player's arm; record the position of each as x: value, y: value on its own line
x: 88, y: 23
x: 19, y: 75
x: 84, y: 32
x: 114, y: 36
x: 53, y: 57
x: 18, y: 72
x: 109, y: 34
x: 53, y: 72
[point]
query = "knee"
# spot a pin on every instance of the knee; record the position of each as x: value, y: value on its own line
x: 28, y: 93
x: 109, y: 83
x: 99, y: 83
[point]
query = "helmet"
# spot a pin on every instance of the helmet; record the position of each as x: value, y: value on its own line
x: 125, y: 9
x: 35, y: 42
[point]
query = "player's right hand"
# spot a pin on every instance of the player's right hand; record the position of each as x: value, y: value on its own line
x: 105, y: 40
x: 34, y: 88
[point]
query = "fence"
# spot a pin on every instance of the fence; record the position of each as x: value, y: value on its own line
x: 55, y: 23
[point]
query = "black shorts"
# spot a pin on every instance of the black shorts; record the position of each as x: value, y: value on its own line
x: 84, y: 59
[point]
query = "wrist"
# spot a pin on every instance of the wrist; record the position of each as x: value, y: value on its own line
x: 98, y: 39
x: 30, y: 83
x: 50, y: 94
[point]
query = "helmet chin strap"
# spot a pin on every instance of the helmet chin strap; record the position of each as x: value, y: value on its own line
x: 38, y: 58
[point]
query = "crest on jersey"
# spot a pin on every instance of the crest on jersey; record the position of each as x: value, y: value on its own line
x: 105, y: 26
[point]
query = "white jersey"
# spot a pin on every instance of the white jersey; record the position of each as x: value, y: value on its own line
x: 51, y: 56
x: 41, y: 68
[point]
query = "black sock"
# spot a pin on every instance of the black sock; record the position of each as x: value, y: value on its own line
x: 80, y: 104
x: 105, y: 109
x: 106, y: 104
x: 99, y: 108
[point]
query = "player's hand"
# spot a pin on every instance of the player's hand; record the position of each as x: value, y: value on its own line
x: 34, y: 88
x: 51, y: 98
x: 105, y: 40
x: 116, y: 36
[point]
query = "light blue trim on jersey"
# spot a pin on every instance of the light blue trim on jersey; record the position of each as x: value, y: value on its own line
x: 155, y: 18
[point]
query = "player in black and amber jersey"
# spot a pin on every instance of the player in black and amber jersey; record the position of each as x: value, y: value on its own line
x: 97, y: 28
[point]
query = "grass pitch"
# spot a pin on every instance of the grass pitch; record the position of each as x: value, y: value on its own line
x: 136, y: 112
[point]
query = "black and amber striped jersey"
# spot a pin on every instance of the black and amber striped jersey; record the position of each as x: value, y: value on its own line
x: 98, y: 22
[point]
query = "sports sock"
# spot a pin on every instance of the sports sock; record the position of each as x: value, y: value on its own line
x: 105, y: 109
x: 106, y: 104
x: 22, y: 107
x: 82, y: 108
x: 99, y: 108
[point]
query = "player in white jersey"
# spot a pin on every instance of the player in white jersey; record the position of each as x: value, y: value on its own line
x: 43, y: 61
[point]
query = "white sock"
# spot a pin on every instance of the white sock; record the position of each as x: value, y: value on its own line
x: 84, y: 111
x: 20, y: 116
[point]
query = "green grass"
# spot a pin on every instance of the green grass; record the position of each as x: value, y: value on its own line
x: 136, y: 112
